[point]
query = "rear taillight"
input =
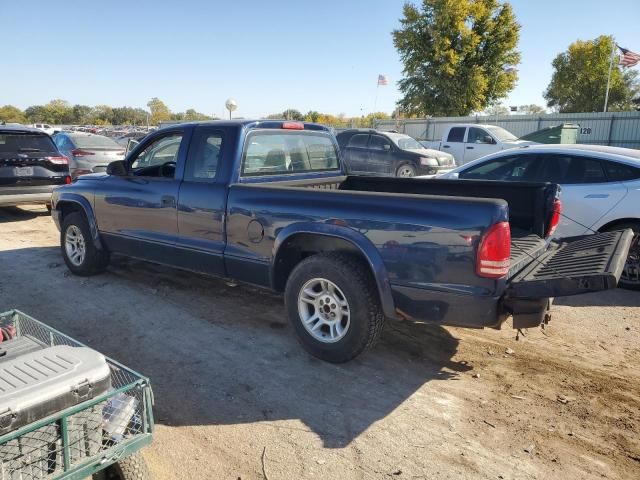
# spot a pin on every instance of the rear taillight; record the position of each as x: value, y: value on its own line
x: 78, y: 152
x: 293, y: 125
x: 494, y: 251
x: 67, y: 180
x: 555, y: 218
x: 58, y: 160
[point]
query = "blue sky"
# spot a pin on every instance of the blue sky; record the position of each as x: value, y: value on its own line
x: 269, y: 55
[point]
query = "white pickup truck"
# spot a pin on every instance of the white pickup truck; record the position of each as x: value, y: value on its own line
x: 468, y: 141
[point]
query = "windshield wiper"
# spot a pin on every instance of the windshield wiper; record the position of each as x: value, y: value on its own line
x: 28, y: 149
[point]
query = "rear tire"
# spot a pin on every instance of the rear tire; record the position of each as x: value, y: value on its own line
x: 333, y: 305
x: 78, y: 248
x: 406, y: 171
x: 630, y: 278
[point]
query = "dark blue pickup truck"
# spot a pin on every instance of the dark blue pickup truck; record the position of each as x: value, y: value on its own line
x: 266, y: 202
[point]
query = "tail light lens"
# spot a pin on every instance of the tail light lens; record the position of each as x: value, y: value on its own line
x: 78, y: 152
x: 494, y: 251
x: 67, y: 180
x: 58, y: 160
x: 555, y: 218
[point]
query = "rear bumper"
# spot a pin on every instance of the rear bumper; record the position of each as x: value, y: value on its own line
x: 447, y: 308
x: 10, y: 196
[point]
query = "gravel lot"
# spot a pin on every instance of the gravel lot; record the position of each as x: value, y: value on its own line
x: 236, y: 397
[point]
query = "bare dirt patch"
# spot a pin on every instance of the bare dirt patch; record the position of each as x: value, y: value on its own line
x: 231, y: 382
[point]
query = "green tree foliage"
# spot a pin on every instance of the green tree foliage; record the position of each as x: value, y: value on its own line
x: 455, y: 55
x: 579, y: 79
x: 11, y: 114
x: 159, y: 111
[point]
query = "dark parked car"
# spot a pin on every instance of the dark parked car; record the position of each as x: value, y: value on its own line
x: 88, y: 152
x: 374, y: 152
x: 267, y: 202
x: 30, y: 166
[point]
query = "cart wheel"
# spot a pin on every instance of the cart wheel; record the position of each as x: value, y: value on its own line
x: 132, y: 467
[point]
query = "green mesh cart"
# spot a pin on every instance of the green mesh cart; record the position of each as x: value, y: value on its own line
x: 99, y: 437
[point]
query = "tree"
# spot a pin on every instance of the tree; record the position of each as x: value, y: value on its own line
x: 496, y: 110
x: 36, y: 114
x: 456, y: 55
x: 11, y: 114
x: 579, y: 79
x: 292, y: 114
x: 159, y: 111
x: 81, y: 114
x: 312, y: 116
x: 531, y: 109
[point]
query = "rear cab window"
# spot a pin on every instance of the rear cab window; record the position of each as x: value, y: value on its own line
x: 273, y: 152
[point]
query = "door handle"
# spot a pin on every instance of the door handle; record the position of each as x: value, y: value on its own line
x: 597, y: 195
x: 469, y: 148
x: 167, y: 201
x: 446, y: 146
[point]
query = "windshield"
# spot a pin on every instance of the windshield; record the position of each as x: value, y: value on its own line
x: 501, y: 134
x: 95, y: 141
x: 405, y: 142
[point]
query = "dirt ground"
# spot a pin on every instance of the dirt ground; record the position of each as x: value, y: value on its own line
x: 237, y: 398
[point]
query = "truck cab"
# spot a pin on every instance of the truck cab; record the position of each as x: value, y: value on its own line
x: 466, y: 142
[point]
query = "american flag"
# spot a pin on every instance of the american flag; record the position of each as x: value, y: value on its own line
x: 628, y: 58
x: 383, y: 80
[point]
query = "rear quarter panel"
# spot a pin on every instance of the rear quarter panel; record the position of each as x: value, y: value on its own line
x: 424, y: 242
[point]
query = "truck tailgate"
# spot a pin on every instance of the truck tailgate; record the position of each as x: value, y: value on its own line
x: 575, y: 265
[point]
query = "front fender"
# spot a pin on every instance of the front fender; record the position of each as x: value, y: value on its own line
x: 78, y: 201
x: 361, y: 242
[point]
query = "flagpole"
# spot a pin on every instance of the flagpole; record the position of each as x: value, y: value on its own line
x: 606, y: 96
x: 375, y: 102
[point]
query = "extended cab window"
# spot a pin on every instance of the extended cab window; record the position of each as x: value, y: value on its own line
x: 456, y: 134
x: 276, y: 152
x: 204, y: 156
x: 159, y: 158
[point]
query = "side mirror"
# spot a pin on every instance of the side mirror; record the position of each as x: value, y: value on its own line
x: 131, y: 144
x: 489, y: 139
x: 117, y: 168
x: 386, y: 147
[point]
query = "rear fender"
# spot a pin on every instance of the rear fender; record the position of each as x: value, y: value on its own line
x: 359, y: 241
x: 82, y: 204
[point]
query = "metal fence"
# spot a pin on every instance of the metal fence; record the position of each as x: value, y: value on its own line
x: 619, y: 129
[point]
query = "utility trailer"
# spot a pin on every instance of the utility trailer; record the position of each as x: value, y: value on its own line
x: 93, y: 427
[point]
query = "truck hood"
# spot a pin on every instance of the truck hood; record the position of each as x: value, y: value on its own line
x: 443, y: 158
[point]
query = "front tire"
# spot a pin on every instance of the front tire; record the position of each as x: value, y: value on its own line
x: 630, y: 278
x: 78, y: 248
x: 406, y: 171
x: 333, y: 305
